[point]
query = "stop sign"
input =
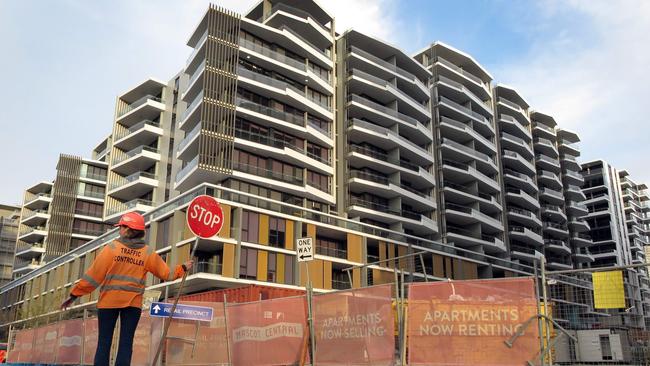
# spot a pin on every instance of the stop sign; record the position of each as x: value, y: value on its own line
x: 204, y: 216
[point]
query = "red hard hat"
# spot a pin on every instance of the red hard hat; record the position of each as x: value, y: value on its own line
x: 132, y: 220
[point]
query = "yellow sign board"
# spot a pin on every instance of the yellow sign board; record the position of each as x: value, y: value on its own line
x: 609, y: 292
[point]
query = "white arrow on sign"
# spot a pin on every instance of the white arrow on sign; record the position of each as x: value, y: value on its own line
x: 156, y: 309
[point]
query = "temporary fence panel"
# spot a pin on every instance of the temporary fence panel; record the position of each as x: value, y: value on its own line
x: 142, y: 344
x: 194, y: 342
x: 269, y: 332
x: 37, y: 347
x: 22, y: 348
x: 70, y: 346
x: 355, y: 327
x: 468, y: 322
x: 91, y: 334
x: 604, y: 323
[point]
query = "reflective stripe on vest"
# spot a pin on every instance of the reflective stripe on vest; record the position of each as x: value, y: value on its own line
x: 120, y: 277
x: 138, y: 290
x: 90, y: 280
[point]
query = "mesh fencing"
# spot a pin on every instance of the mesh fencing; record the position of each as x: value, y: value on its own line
x: 578, y: 318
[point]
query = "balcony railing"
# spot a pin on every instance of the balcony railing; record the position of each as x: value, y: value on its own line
x: 317, y: 124
x: 383, y: 109
x: 545, y: 128
x: 302, y: 66
x: 205, y: 267
x: 551, y: 192
x: 100, y: 177
x: 128, y: 206
x: 31, y: 213
x: 458, y: 69
x: 138, y: 103
x: 203, y: 37
x: 383, y: 63
x: 385, y: 209
x: 369, y: 176
x: 189, y: 137
x: 298, y: 120
x: 481, y: 118
x: 468, y: 150
x: 134, y: 152
x: 512, y: 105
x: 191, y: 106
x: 267, y: 173
x: 197, y: 72
x: 332, y: 252
x: 270, y: 140
x: 547, y: 159
x: 187, y: 168
x: 127, y: 131
x: 131, y: 178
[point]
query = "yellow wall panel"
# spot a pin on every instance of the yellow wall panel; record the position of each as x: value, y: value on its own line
x: 383, y: 251
x: 438, y: 270
x: 228, y: 265
x: 315, y: 273
x: 470, y: 271
x: 289, y: 235
x: 262, y: 265
x: 227, y: 217
x: 402, y: 262
x: 327, y: 275
x: 355, y: 248
x: 264, y: 230
x: 311, y: 231
x: 183, y: 253
x: 279, y: 271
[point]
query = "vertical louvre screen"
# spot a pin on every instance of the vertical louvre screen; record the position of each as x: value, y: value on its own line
x: 216, y: 142
x: 64, y: 195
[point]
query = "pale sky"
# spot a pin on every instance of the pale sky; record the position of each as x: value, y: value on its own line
x: 584, y: 62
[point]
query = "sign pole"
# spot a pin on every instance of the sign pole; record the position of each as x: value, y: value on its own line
x: 305, y: 253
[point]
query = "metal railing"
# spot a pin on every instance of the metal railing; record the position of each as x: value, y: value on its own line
x: 295, y: 119
x: 332, y: 252
x: 127, y: 131
x: 132, y: 178
x: 369, y: 176
x: 467, y: 149
x: 267, y: 173
x: 383, y: 63
x: 186, y: 169
x: 192, y: 105
x: 128, y: 206
x: 128, y: 108
x: 138, y: 150
x: 391, y: 112
x: 481, y: 118
x: 460, y: 70
x: 302, y: 66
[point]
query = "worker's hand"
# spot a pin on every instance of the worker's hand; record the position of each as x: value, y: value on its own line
x: 66, y: 304
x: 188, y: 265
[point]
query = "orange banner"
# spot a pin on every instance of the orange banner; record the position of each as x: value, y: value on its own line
x: 211, y: 343
x: 355, y: 327
x: 70, y: 342
x: 269, y: 332
x: 91, y: 334
x: 468, y: 322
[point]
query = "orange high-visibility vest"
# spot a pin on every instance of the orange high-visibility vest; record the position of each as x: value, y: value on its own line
x: 119, y: 272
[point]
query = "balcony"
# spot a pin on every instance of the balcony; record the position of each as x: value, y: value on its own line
x: 362, y: 108
x: 571, y: 177
x: 138, y: 159
x: 24, y: 267
x: 545, y: 147
x: 524, y: 217
x: 361, y: 156
x: 547, y: 163
x: 118, y: 209
x: 459, y: 112
x: 382, y: 89
x: 189, y: 145
x: 515, y: 161
x: 551, y: 196
x: 192, y: 115
x: 459, y: 131
x: 568, y: 147
x: 464, y: 173
x: 569, y: 162
x: 519, y: 180
x: 544, y: 131
x: 601, y: 253
x: 332, y: 252
x: 557, y: 246
x: 35, y: 217
x: 37, y: 201
x: 524, y: 253
x: 135, y: 185
x: 525, y: 235
x: 576, y: 209
x: 379, y: 185
x: 517, y: 144
x: 27, y: 251
x: 362, y: 131
x: 469, y: 239
x: 464, y: 215
x: 148, y: 107
x: 473, y: 82
x: 460, y: 194
x: 520, y: 113
x: 419, y: 223
x: 521, y: 198
x: 142, y: 133
x: 549, y: 179
x: 454, y: 151
x: 387, y: 66
x: 462, y: 94
x: 557, y: 263
x: 578, y: 225
x: 556, y: 229
x: 510, y: 125
x: 574, y: 192
x: 554, y: 212
x: 32, y: 234
x: 581, y: 240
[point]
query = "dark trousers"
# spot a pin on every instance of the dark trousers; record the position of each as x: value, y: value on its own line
x: 107, y: 318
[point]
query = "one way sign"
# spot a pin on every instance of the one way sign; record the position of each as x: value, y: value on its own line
x: 305, y: 250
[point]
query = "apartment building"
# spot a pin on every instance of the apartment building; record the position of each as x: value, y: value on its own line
x: 385, y: 137
x: 9, y: 217
x: 60, y: 216
x: 603, y: 188
x: 465, y: 151
x: 139, y: 150
x: 522, y: 206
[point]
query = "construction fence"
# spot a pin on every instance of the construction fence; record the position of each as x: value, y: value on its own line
x: 538, y: 320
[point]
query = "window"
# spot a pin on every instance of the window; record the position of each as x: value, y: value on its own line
x: 76, y: 243
x: 317, y: 152
x: 88, y: 228
x: 272, y: 265
x: 277, y: 230
x: 88, y: 209
x: 90, y: 190
x: 605, y: 347
x: 318, y: 180
x: 288, y: 269
x: 250, y: 227
x: 331, y: 247
x: 163, y: 233
x: 248, y: 263
x: 93, y: 172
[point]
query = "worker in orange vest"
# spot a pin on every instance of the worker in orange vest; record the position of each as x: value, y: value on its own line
x: 119, y: 271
